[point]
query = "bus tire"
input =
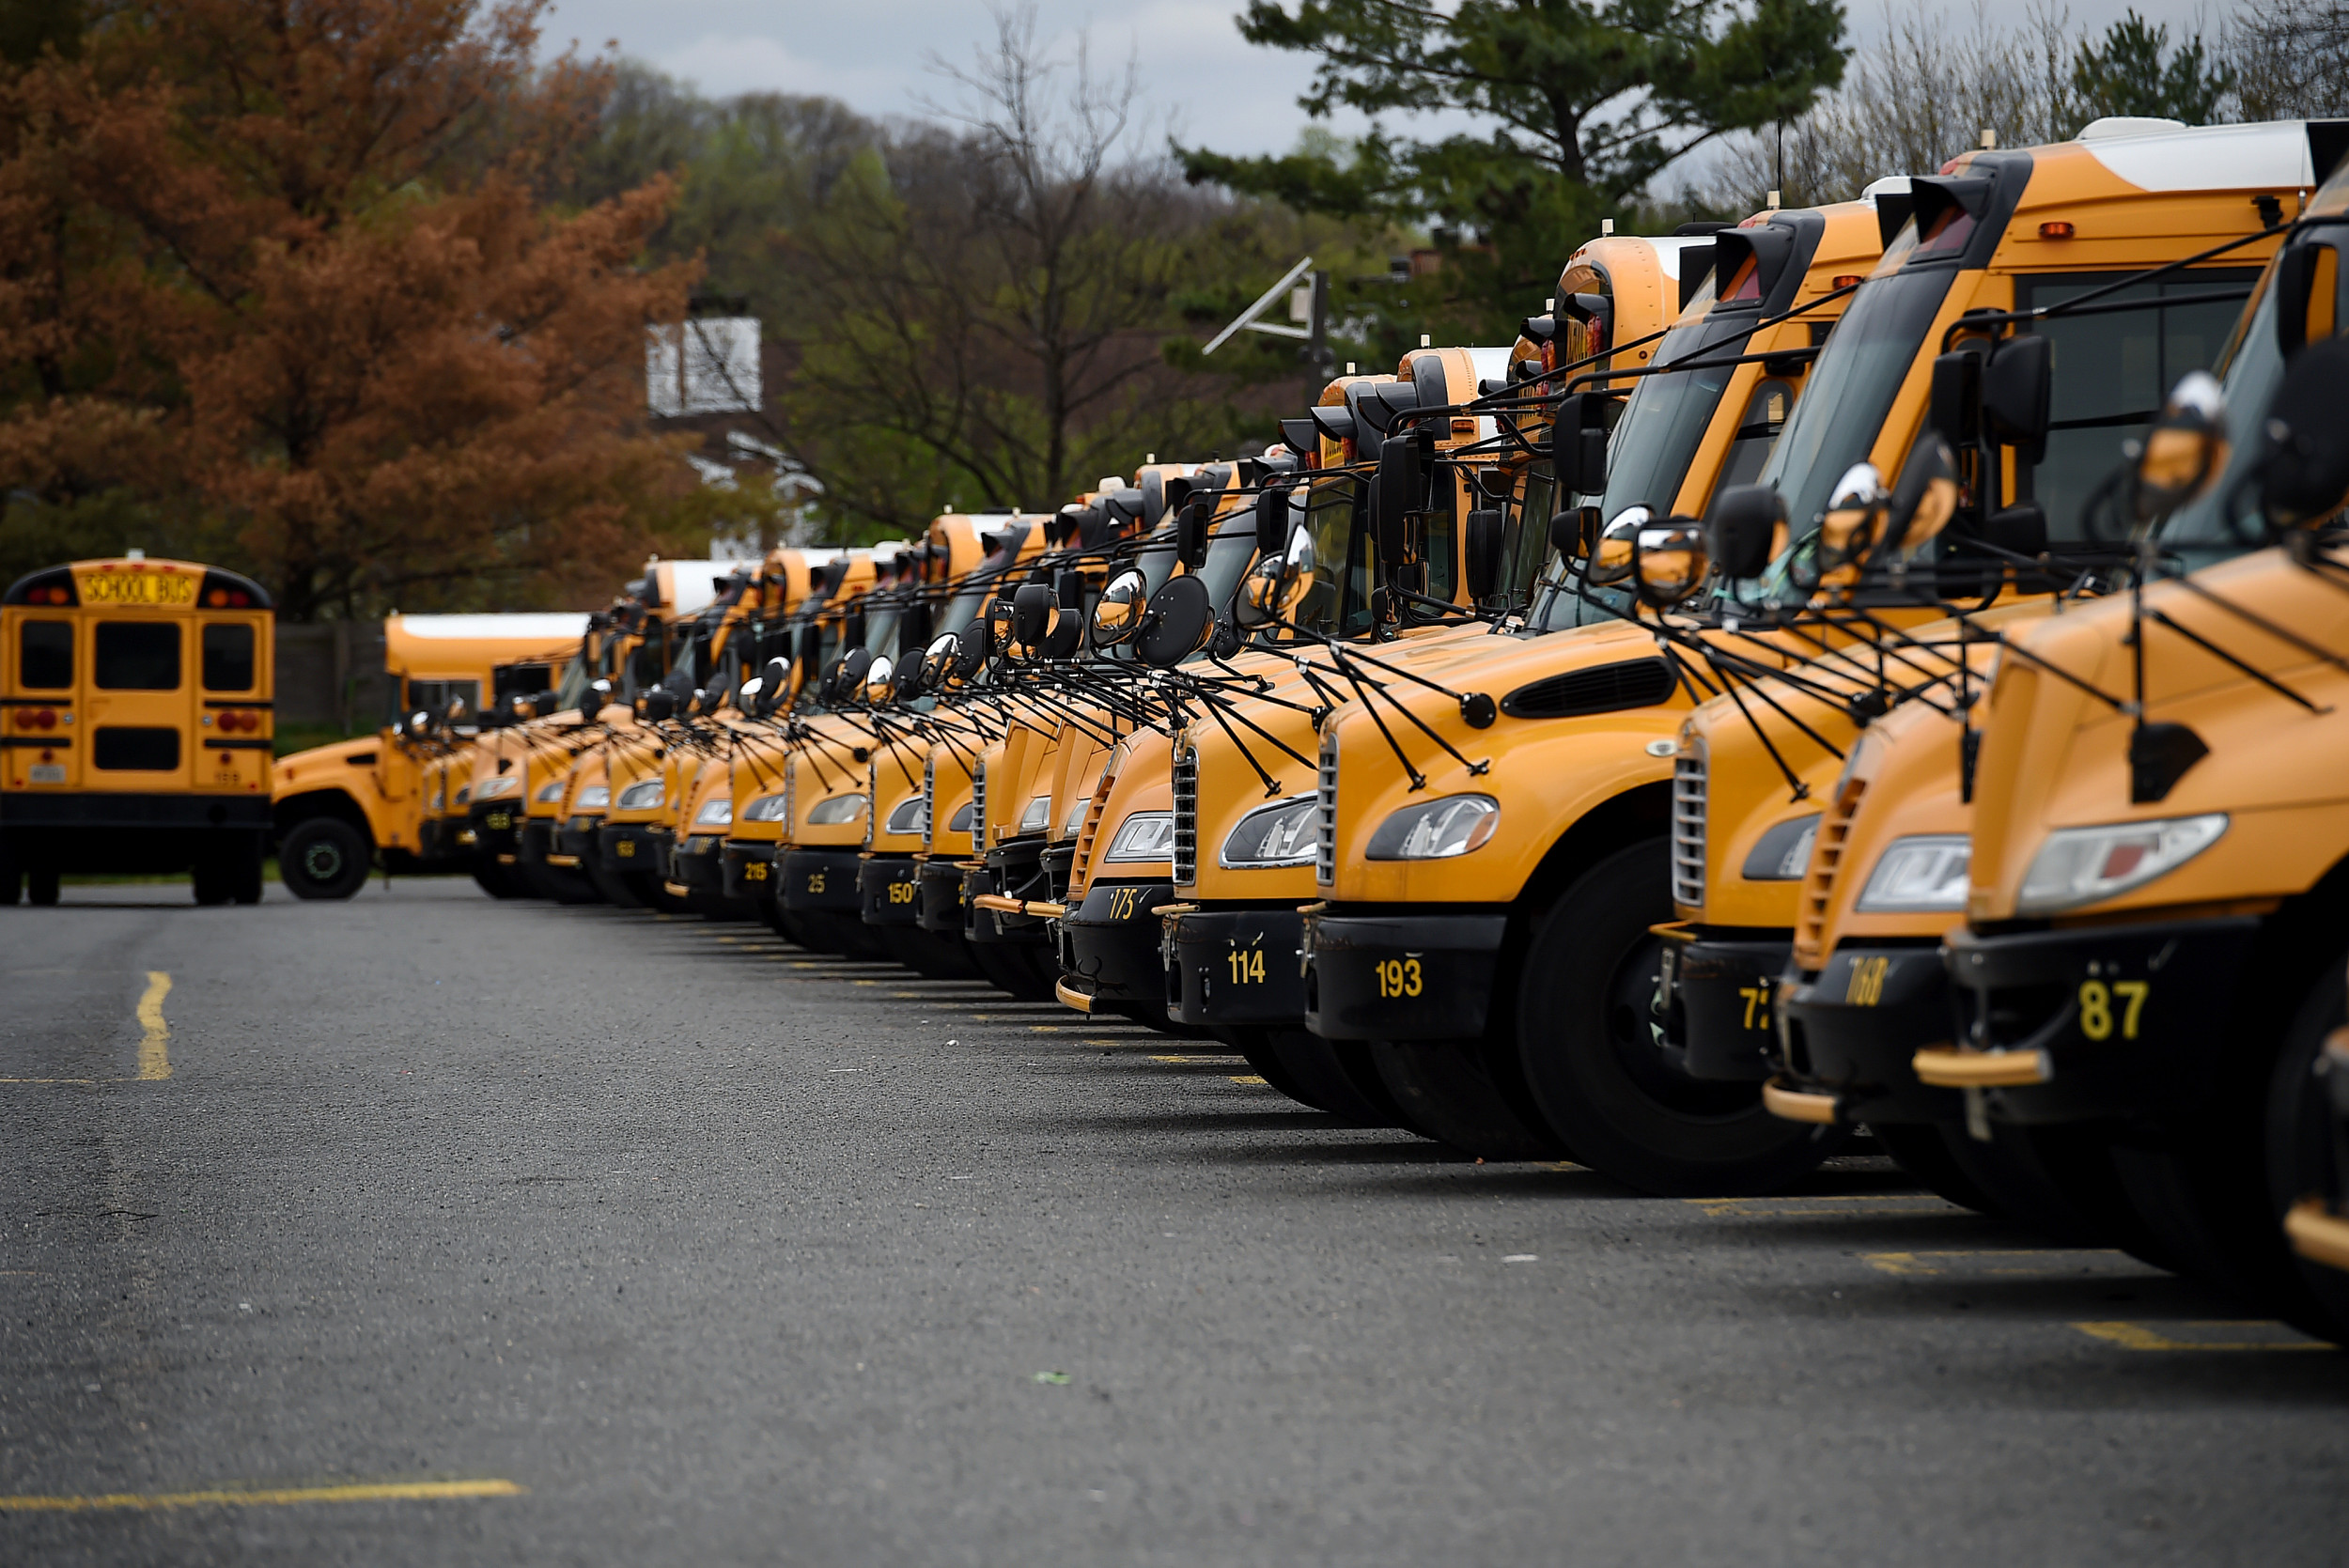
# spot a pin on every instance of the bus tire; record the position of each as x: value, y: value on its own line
x: 42, y: 887
x: 11, y: 879
x: 1449, y: 1092
x: 211, y: 881
x: 2301, y: 1149
x: 1335, y: 1078
x: 1588, y: 1051
x: 246, y: 878
x: 322, y: 857
x: 498, y: 881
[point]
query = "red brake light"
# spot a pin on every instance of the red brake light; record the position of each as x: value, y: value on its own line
x: 45, y: 718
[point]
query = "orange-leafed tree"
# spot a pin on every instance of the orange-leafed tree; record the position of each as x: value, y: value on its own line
x: 281, y: 261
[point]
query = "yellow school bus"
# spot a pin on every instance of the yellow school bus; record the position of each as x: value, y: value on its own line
x: 137, y: 698
x: 339, y: 809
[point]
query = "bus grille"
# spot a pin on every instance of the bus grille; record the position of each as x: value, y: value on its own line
x: 929, y: 798
x: 1186, y: 816
x: 1688, y: 840
x: 1818, y: 883
x: 1325, y: 815
x: 978, y: 808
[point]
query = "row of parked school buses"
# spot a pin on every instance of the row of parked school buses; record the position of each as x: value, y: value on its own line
x: 1870, y: 667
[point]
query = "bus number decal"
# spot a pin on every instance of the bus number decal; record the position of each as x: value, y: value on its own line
x: 754, y: 871
x: 1757, y: 1005
x: 626, y: 847
x: 1122, y: 902
x: 1399, y: 977
x: 902, y: 893
x: 1247, y: 966
x: 1866, y: 988
x: 2096, y: 998
x: 816, y: 881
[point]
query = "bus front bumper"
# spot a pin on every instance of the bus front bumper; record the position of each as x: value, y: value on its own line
x: 813, y: 880
x: 1109, y: 943
x: 1399, y: 977
x: 1234, y: 966
x: 748, y: 870
x: 889, y: 890
x: 2092, y: 1023
x: 1852, y: 1032
x: 1713, y: 1001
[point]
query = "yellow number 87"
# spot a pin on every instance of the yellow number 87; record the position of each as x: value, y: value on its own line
x: 2096, y: 1001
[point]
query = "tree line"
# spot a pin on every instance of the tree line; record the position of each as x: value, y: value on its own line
x: 354, y: 294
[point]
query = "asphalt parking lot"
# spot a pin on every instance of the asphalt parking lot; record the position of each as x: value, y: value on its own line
x: 427, y: 1229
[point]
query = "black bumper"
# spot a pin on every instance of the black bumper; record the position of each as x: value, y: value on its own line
x: 2132, y: 1019
x: 497, y: 828
x: 1235, y: 966
x: 577, y: 838
x: 1713, y: 1001
x: 889, y: 890
x: 131, y: 833
x: 819, y: 879
x: 631, y: 848
x: 534, y: 841
x: 98, y: 809
x: 1014, y: 870
x: 693, y: 863
x: 942, y: 895
x: 1854, y: 1030
x: 1400, y: 977
x: 747, y: 870
x: 1109, y: 943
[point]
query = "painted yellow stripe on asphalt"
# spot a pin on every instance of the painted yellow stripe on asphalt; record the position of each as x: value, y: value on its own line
x: 1248, y: 1077
x: 155, y: 1045
x: 2142, y: 1336
x: 411, y: 1491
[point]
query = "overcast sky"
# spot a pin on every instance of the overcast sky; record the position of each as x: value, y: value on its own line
x: 1218, y: 90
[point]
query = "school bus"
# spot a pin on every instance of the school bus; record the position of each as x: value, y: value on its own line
x: 341, y: 809
x: 137, y: 696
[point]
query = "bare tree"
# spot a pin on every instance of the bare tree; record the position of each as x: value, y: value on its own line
x: 2291, y: 60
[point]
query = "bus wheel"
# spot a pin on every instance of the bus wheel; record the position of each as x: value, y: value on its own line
x: 498, y: 881
x: 322, y: 857
x: 11, y: 878
x: 211, y: 877
x: 1587, y: 1045
x: 245, y: 879
x: 1920, y: 1149
x: 1332, y: 1077
x: 44, y: 887
x: 2302, y: 1147
x: 1450, y: 1092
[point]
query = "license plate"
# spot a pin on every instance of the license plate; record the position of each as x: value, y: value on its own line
x: 48, y: 772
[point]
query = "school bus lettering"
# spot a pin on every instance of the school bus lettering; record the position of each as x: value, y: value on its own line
x: 168, y: 589
x: 1399, y: 977
x: 1866, y: 987
x: 2096, y: 998
x: 1247, y: 966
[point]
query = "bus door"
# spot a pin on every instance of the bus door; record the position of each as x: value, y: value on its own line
x: 42, y: 658
x: 234, y: 678
x: 136, y: 688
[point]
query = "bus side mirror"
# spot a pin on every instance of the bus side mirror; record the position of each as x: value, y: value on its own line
x: 1191, y: 535
x: 1574, y: 531
x: 1955, y: 404
x: 1273, y: 520
x: 659, y: 705
x: 1577, y: 443
x: 1480, y: 553
x: 1032, y: 614
x: 1400, y: 490
x: 2306, y: 474
x: 2294, y: 283
x: 1748, y: 522
x: 2015, y: 389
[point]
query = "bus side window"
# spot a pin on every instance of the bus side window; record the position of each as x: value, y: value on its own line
x: 1766, y: 415
x: 137, y: 656
x: 228, y: 657
x: 45, y: 655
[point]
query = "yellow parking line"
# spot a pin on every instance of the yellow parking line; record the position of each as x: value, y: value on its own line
x: 411, y: 1491
x: 1932, y: 1262
x: 2139, y: 1336
x: 154, y: 1047
x: 1887, y: 1202
x: 1248, y: 1078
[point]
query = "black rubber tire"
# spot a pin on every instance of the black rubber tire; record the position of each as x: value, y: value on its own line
x: 1016, y: 971
x: 1339, y: 1079
x: 564, y: 884
x: 1449, y: 1091
x: 42, y: 888
x: 1586, y: 1046
x: 1260, y: 1056
x: 716, y: 906
x: 931, y: 955
x: 498, y: 881
x: 2300, y: 1149
x: 324, y: 857
x: 210, y: 879
x: 246, y: 875
x: 11, y: 879
x: 1921, y: 1150
x: 613, y: 887
x: 653, y: 894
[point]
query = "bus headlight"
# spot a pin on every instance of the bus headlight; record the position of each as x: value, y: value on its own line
x: 1144, y: 835
x: 592, y: 798
x: 1278, y: 835
x: 1436, y: 830
x: 494, y: 789
x: 1921, y: 874
x: 715, y: 814
x: 2082, y: 865
x: 907, y: 818
x: 839, y: 809
x: 548, y: 793
x: 767, y: 808
x: 644, y: 795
